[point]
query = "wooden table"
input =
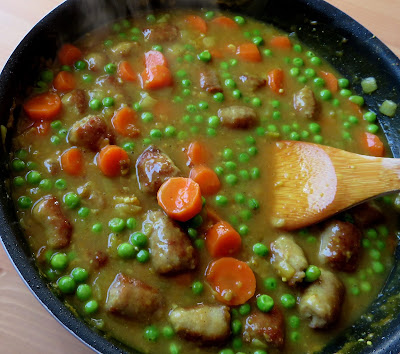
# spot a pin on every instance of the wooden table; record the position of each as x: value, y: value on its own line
x: 25, y: 326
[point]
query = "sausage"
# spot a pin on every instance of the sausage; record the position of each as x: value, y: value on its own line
x: 96, y: 61
x: 322, y: 301
x: 205, y: 323
x: 98, y: 260
x: 124, y: 49
x: 340, y: 246
x: 288, y: 259
x: 268, y: 328
x: 52, y: 166
x: 164, y: 32
x: 367, y: 214
x: 304, y: 103
x: 171, y: 249
x: 153, y: 168
x: 133, y: 299
x: 209, y: 81
x: 76, y: 101
x: 48, y: 213
x: 238, y: 117
x: 252, y: 83
x: 91, y: 133
x: 94, y: 195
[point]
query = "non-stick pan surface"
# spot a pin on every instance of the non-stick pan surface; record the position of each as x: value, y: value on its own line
x: 348, y: 46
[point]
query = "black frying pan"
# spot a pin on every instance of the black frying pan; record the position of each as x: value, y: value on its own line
x: 348, y: 46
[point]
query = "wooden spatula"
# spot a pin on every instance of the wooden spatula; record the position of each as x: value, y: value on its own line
x: 312, y: 182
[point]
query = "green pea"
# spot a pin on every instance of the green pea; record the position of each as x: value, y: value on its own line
x: 227, y: 154
x: 260, y: 351
x: 192, y: 232
x: 17, y: 165
x: 21, y: 154
x: 196, y: 221
x: 366, y: 243
x: 110, y: 68
x: 18, y: 181
x: 59, y: 261
x: 370, y: 117
x: 294, y: 72
x: 96, y: 228
x: 83, y: 292
x: 294, y: 136
x: 319, y: 82
x: 138, y: 239
x: 253, y: 204
x: 219, y: 97
x: 243, y: 230
x: 230, y: 165
x: 170, y: 131
x: 358, y: 100
x: 197, y: 287
x: 66, y: 284
x: 71, y: 200
x: 343, y: 83
x: 256, y: 102
x: 143, y: 256
x: 240, y: 198
x: 244, y: 309
x: 245, y: 175
x: 226, y: 351
x: 276, y: 115
x: 236, y: 94
x: 126, y: 250
x: 312, y: 273
x: 128, y: 146
x: 298, y: 62
x: 310, y: 72
x: 288, y: 301
x: 24, y: 202
x: 33, y: 177
x: 117, y: 224
x: 91, y: 306
x: 80, y: 65
x: 294, y: 322
x: 257, y: 40
x: 243, y: 157
x: 47, y: 76
x: 255, y: 173
x: 260, y: 249
x: 204, y: 56
x: 372, y: 128
x: 267, y: 52
x: 108, y: 43
x: 147, y: 117
x: 188, y: 57
x: 213, y: 121
x: 345, y: 93
x: 239, y: 20
x: 265, y: 303
x: 79, y: 274
x: 209, y: 15
x: 231, y: 179
x: 270, y: 283
x: 60, y: 183
x: 95, y: 104
x: 156, y: 133
x: 318, y: 139
x: 221, y: 200
x: 383, y: 230
x: 325, y: 95
x: 294, y: 336
x: 168, y: 332
x: 378, y: 267
x: 219, y: 170
x: 315, y: 61
x: 151, y: 333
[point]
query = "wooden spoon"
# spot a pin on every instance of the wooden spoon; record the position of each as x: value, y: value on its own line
x: 313, y: 182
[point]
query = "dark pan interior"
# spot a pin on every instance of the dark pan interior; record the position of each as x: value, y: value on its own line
x: 348, y: 46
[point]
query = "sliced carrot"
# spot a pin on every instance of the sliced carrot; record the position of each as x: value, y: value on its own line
x: 113, y: 161
x: 156, y: 77
x: 206, y: 178
x: 225, y: 22
x: 222, y: 240
x: 45, y: 106
x: 197, y: 23
x: 248, y: 52
x: 64, y: 81
x: 330, y: 80
x: 197, y: 154
x: 126, y: 72
x: 282, y: 42
x: 275, y: 81
x: 232, y: 280
x: 154, y: 58
x: 124, y: 122
x: 42, y: 127
x: 69, y: 54
x: 72, y: 162
x: 180, y: 198
x: 373, y: 144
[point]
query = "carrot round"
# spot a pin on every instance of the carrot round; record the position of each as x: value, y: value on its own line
x: 69, y: 54
x: 154, y: 58
x: 126, y: 72
x: 64, y: 81
x: 180, y: 198
x: 72, y: 162
x: 282, y: 42
x: 373, y: 144
x: 275, y: 81
x: 45, y: 106
x: 222, y: 240
x: 330, y: 80
x: 156, y: 77
x: 225, y: 22
x: 124, y: 122
x: 233, y: 280
x: 113, y: 161
x: 196, y: 23
x: 248, y: 52
x: 42, y: 127
x: 206, y: 178
x: 197, y: 154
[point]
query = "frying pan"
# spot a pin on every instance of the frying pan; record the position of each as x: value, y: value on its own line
x: 348, y: 46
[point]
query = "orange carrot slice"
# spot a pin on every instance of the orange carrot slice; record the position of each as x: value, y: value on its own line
x: 196, y: 23
x: 69, y: 54
x: 45, y: 106
x: 248, y: 52
x: 206, y: 178
x: 72, y: 162
x: 222, y: 240
x: 113, y: 161
x: 124, y: 122
x: 126, y: 72
x: 64, y: 81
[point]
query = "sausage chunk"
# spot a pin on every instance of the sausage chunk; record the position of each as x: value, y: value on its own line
x: 322, y: 300
x: 164, y: 32
x: 171, y: 249
x: 238, y: 117
x: 205, y: 323
x: 48, y: 213
x: 288, y: 259
x: 96, y: 61
x: 153, y: 168
x: 91, y: 133
x: 367, y: 214
x: 340, y: 246
x: 251, y: 82
x: 304, y: 103
x: 269, y: 328
x: 133, y: 299
x: 209, y: 81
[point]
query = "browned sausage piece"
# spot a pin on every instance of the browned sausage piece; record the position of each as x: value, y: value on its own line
x: 171, y: 249
x: 268, y: 328
x: 304, y: 103
x: 52, y: 166
x: 133, y: 298
x: 153, y: 168
x: 288, y: 259
x: 164, y: 32
x: 209, y: 81
x: 322, y: 300
x: 205, y: 323
x: 367, y: 214
x: 340, y: 246
x: 48, y: 213
x: 238, y: 117
x: 79, y: 100
x: 91, y: 133
x: 251, y: 82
